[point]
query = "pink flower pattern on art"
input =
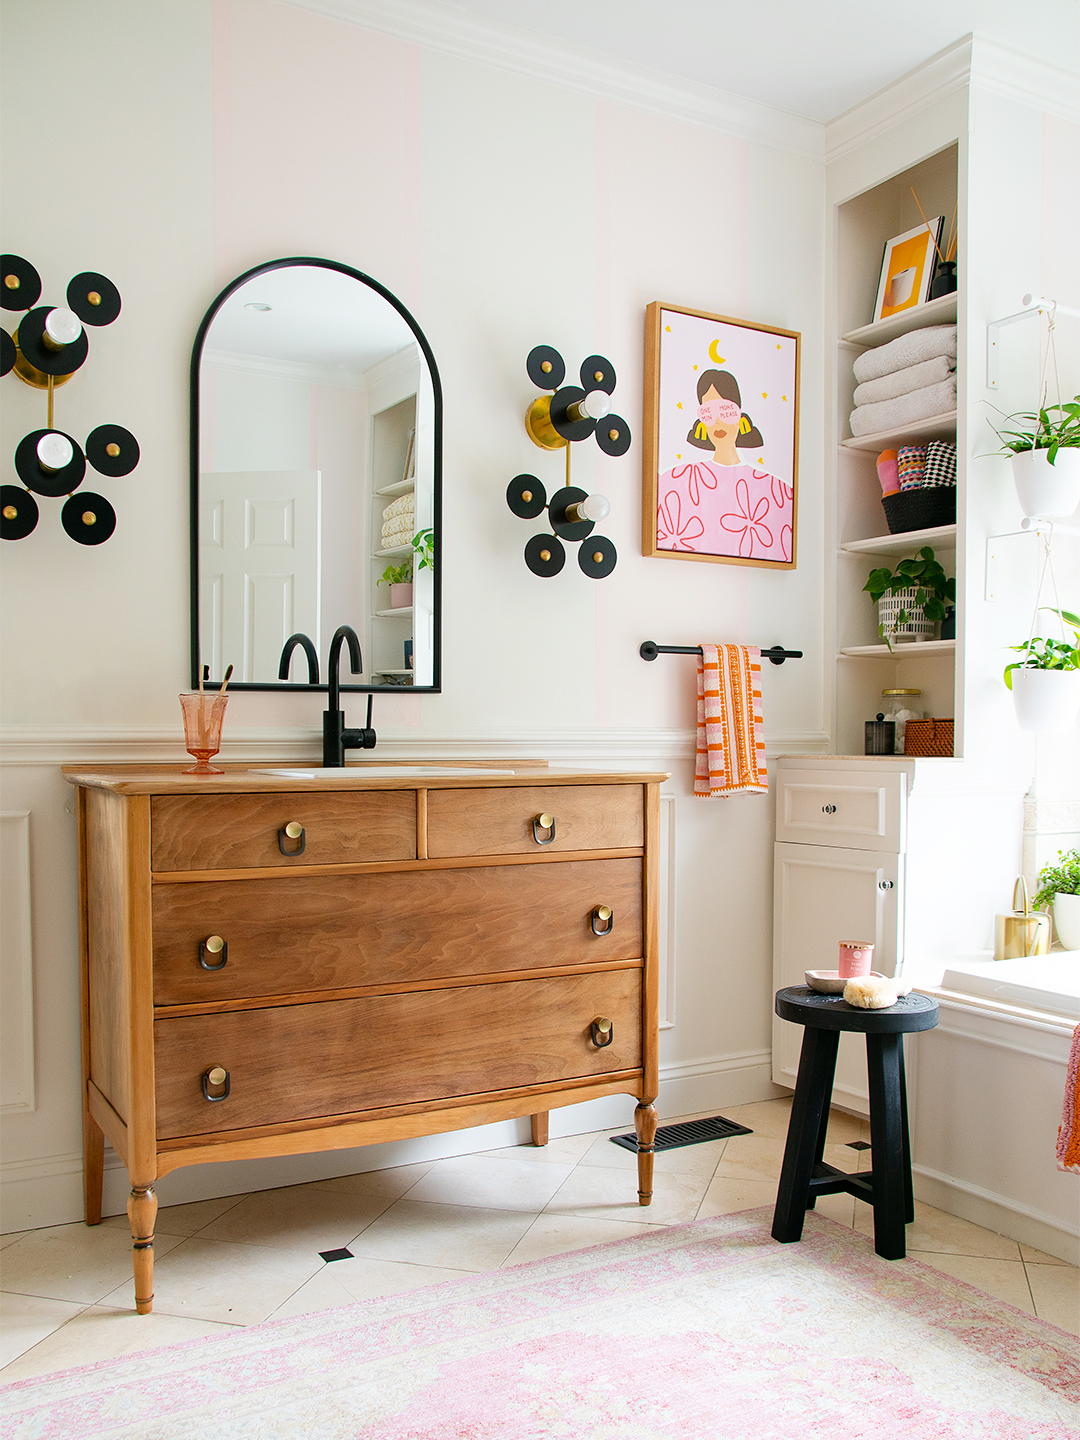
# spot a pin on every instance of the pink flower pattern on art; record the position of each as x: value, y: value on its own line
x: 670, y: 527
x: 748, y: 523
x: 697, y: 476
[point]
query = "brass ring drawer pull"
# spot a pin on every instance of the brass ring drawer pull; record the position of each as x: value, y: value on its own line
x: 213, y: 945
x: 215, y: 1076
x: 602, y: 1032
x: 606, y: 917
x: 293, y: 831
x: 543, y: 822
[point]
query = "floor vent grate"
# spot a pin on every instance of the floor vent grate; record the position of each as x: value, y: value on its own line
x: 329, y: 1255
x: 690, y: 1132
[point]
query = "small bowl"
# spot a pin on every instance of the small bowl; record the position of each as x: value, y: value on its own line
x: 830, y: 982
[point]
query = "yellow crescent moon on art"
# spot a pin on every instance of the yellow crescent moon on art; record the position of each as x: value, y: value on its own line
x: 713, y: 356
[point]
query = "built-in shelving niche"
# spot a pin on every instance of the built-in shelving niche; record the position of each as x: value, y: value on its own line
x: 864, y: 667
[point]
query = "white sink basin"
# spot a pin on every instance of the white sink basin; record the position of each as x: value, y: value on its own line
x: 379, y: 772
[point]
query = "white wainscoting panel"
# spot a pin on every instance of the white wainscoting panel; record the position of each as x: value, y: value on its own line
x: 16, y: 966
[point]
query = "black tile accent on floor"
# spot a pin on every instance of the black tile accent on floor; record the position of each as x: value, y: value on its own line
x: 858, y: 1145
x: 341, y: 1254
x: 690, y: 1132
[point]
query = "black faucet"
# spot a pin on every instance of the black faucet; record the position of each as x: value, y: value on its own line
x: 336, y: 738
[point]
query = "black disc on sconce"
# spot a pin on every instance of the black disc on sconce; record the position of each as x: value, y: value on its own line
x: 613, y: 435
x: 525, y: 496
x: 88, y: 518
x: 545, y: 556
x: 112, y: 450
x: 94, y: 298
x: 7, y: 352
x: 48, y: 482
x: 560, y: 418
x: 568, y: 529
x: 597, y: 374
x: 50, y: 362
x: 553, y: 376
x: 18, y: 512
x: 597, y: 557
x: 20, y: 284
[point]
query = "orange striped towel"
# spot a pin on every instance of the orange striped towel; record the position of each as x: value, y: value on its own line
x: 1068, y: 1140
x: 730, y: 743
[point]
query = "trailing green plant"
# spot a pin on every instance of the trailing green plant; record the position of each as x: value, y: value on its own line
x: 398, y: 574
x: 1045, y: 654
x: 923, y: 574
x: 423, y: 542
x: 1044, y: 433
x: 1060, y: 879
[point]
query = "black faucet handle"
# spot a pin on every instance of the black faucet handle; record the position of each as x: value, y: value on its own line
x: 361, y: 739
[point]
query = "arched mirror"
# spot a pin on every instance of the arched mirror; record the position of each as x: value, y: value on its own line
x: 316, y: 458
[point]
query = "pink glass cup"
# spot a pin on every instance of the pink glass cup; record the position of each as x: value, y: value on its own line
x: 856, y: 958
x: 203, y: 714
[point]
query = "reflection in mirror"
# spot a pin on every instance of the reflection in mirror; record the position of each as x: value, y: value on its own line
x: 316, y: 479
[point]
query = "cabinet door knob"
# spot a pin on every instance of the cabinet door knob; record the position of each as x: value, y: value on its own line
x: 215, y: 1076
x: 828, y: 809
x: 602, y: 1032
x: 606, y: 916
x: 213, y: 945
x: 884, y: 884
x: 292, y: 831
x: 543, y: 822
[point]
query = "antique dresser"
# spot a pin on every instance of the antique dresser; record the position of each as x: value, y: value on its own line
x: 275, y: 965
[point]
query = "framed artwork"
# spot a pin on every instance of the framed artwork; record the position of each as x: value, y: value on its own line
x: 907, y: 270
x: 721, y: 449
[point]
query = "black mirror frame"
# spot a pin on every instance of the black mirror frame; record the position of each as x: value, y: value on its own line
x: 436, y: 505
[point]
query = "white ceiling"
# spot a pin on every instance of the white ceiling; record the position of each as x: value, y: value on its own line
x: 813, y: 58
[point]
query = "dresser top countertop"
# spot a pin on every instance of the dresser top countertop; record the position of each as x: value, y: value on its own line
x: 152, y: 779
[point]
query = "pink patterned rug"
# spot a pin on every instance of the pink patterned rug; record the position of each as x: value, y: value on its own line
x: 709, y: 1331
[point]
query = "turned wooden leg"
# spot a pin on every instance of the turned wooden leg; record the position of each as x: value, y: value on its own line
x: 539, y: 1128
x: 645, y: 1121
x: 142, y: 1211
x: 93, y: 1167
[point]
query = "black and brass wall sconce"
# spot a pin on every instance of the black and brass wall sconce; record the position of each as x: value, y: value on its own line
x: 553, y: 422
x: 48, y: 347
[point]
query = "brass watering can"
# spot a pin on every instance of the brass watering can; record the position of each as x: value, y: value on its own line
x: 1021, y: 932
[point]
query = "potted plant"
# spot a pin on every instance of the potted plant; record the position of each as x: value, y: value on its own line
x: 423, y: 542
x: 1046, y: 458
x: 399, y: 579
x: 1046, y: 681
x: 911, y: 599
x: 1059, y: 891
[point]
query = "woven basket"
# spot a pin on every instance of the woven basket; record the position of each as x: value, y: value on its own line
x: 928, y: 737
x: 915, y: 627
x: 920, y: 509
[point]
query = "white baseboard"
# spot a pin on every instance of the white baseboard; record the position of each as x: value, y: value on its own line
x: 48, y: 1191
x: 997, y: 1212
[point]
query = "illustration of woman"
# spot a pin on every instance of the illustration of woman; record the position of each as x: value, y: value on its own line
x: 724, y: 506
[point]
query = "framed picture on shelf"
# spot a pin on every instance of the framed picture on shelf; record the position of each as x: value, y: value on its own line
x: 907, y: 269
x: 721, y: 439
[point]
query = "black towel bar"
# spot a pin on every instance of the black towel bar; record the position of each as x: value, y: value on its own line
x: 776, y: 653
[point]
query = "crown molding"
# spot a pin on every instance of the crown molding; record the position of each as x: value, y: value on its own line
x: 439, y: 28
x: 1020, y: 77
x: 306, y: 371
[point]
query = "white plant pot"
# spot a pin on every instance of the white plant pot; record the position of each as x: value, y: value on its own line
x: 916, y: 627
x: 1067, y: 920
x: 1045, y: 489
x: 1046, y: 700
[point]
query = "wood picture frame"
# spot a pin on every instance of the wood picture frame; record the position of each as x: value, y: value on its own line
x: 907, y: 269
x: 719, y: 485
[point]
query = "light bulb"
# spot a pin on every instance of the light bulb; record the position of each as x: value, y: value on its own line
x: 593, y: 507
x: 62, y: 327
x: 594, y: 406
x: 54, y: 452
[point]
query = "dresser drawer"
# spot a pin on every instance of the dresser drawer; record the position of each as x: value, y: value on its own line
x: 500, y: 822
x: 226, y: 832
x: 300, y: 1062
x: 857, y: 811
x: 328, y: 932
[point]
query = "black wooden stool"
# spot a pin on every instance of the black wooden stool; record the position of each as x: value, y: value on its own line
x: 804, y: 1176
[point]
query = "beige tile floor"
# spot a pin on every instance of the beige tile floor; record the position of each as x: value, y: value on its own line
x: 67, y: 1296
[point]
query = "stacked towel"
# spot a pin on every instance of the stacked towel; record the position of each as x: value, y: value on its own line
x: 909, y: 350
x: 902, y: 382
x: 905, y: 409
x: 397, y: 522
x: 909, y: 379
x: 730, y: 737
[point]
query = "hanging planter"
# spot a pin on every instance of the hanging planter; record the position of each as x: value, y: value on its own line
x: 1047, y: 701
x: 1045, y: 488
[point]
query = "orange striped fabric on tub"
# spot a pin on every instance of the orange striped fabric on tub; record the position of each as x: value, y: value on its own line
x: 730, y: 734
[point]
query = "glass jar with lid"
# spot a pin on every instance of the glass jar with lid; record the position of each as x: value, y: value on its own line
x: 900, y: 706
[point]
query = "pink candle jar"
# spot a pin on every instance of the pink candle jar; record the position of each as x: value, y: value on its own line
x: 856, y: 958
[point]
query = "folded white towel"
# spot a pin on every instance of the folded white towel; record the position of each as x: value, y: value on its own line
x: 403, y: 505
x: 918, y: 405
x: 902, y: 382
x: 396, y: 535
x: 910, y: 349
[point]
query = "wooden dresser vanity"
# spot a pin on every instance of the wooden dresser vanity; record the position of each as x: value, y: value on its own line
x: 274, y: 965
